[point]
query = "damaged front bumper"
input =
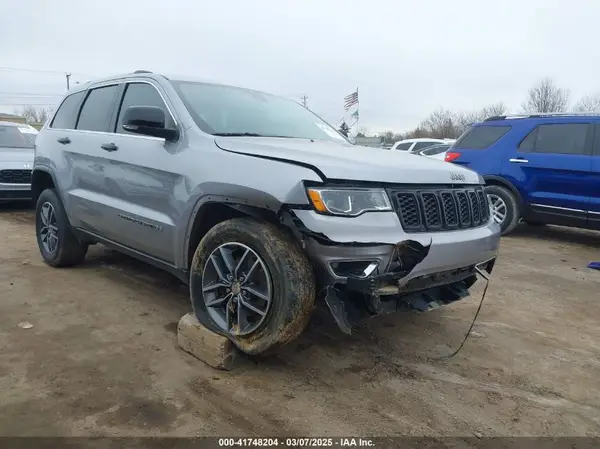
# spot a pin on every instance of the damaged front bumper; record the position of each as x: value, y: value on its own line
x: 370, y: 266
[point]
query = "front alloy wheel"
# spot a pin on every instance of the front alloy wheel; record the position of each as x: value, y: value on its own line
x: 498, y: 208
x: 236, y: 288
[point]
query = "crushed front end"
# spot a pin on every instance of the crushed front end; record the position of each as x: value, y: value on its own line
x: 423, y: 254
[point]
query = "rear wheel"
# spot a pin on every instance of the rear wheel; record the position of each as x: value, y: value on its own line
x: 58, y: 246
x: 504, y: 208
x: 251, y: 282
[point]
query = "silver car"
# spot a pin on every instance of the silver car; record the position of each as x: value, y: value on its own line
x: 257, y: 203
x: 16, y: 160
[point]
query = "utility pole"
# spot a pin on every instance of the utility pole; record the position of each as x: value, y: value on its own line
x: 68, y: 75
x: 304, y: 98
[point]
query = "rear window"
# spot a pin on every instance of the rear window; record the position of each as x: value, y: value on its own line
x: 17, y: 136
x: 481, y: 137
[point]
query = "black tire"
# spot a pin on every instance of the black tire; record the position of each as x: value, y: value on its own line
x: 69, y: 251
x: 290, y: 272
x: 513, y: 213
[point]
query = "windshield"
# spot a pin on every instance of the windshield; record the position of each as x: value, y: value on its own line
x: 17, y: 136
x: 233, y: 111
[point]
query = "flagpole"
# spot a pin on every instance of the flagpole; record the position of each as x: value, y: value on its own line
x: 358, y: 109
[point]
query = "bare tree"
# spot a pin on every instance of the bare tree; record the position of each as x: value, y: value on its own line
x: 589, y: 103
x: 465, y: 120
x: 441, y: 124
x: 34, y: 114
x: 546, y: 97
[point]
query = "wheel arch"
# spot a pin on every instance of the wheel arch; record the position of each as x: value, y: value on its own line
x: 491, y: 180
x: 42, y: 178
x: 213, y: 210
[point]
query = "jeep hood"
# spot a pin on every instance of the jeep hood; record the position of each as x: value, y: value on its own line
x: 352, y: 162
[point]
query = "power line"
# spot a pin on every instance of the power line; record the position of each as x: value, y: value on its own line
x: 28, y: 104
x: 50, y: 72
x: 28, y: 95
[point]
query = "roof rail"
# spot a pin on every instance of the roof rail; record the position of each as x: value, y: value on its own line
x: 541, y: 114
x: 142, y: 71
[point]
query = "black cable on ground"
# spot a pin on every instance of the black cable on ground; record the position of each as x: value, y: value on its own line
x: 487, y: 283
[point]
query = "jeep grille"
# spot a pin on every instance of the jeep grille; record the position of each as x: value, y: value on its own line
x: 430, y: 210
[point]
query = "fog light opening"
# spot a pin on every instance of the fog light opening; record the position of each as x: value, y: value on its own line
x: 354, y: 268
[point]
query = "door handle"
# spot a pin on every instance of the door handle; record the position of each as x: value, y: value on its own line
x: 109, y: 147
x: 63, y: 140
x: 518, y: 160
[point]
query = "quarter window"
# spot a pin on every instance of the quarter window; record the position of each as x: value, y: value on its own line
x: 97, y: 109
x: 66, y: 116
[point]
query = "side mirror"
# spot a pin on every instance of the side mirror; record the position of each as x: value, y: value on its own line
x: 149, y: 121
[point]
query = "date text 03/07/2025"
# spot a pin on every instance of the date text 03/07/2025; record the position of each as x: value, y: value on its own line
x: 296, y: 442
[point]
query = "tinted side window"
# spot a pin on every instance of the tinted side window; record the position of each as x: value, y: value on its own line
x: 66, y: 116
x: 142, y: 94
x: 404, y: 146
x: 528, y: 143
x: 97, y: 109
x: 481, y: 137
x: 435, y: 150
x: 421, y: 145
x: 563, y: 138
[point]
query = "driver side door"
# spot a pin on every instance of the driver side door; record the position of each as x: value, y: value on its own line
x: 142, y: 177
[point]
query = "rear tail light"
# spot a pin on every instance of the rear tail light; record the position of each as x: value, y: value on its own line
x: 451, y: 156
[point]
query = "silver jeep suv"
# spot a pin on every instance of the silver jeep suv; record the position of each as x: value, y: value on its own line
x: 257, y: 203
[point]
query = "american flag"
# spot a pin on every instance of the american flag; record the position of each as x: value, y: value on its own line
x: 351, y: 100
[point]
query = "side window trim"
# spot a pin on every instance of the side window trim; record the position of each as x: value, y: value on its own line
x: 122, y: 97
x: 596, y: 140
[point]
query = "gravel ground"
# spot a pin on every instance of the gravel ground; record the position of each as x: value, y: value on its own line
x: 101, y: 357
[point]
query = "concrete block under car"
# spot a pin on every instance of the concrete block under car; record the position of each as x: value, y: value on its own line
x: 213, y: 349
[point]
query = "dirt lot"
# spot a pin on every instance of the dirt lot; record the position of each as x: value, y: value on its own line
x: 102, y: 358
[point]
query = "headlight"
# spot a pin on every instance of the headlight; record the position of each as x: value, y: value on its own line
x: 348, y: 202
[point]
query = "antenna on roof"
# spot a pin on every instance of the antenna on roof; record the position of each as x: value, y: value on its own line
x: 142, y: 71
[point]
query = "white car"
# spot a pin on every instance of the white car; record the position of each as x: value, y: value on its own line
x: 414, y: 145
x: 435, y: 151
x: 16, y: 160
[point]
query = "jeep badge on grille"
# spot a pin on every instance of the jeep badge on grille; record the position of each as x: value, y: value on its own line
x: 457, y: 176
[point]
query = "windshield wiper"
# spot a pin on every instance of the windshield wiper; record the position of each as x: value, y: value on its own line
x: 239, y: 135
x: 248, y: 135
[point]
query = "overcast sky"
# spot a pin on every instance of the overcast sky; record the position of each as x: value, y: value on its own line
x: 406, y: 57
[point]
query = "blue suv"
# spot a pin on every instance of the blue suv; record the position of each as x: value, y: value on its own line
x: 540, y: 169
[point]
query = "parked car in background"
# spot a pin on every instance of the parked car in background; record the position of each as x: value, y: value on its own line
x: 435, y: 151
x: 256, y: 203
x: 540, y: 168
x: 413, y: 145
x: 16, y: 160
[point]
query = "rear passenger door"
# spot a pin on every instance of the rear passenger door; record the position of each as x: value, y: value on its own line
x: 594, y: 209
x: 88, y: 194
x: 552, y: 165
x: 142, y: 179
